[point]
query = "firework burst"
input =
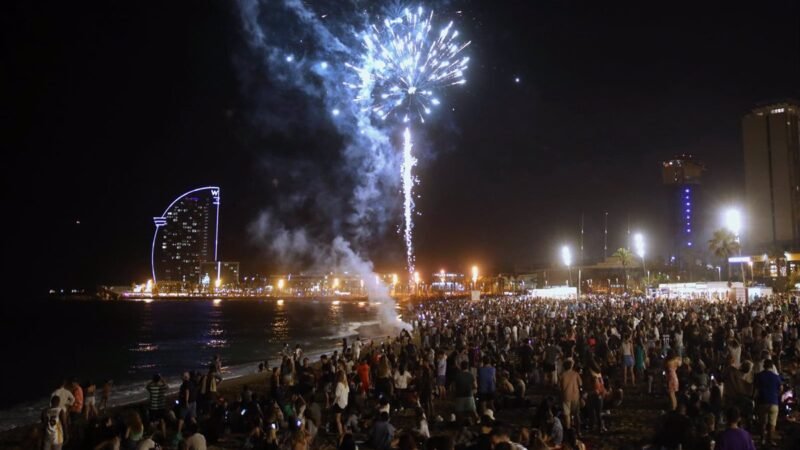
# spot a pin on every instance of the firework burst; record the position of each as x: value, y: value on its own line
x: 405, y: 63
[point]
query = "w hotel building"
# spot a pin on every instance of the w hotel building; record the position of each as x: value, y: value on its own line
x: 185, y: 238
x: 772, y: 177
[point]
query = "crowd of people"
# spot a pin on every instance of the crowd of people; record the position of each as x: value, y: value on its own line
x: 511, y: 373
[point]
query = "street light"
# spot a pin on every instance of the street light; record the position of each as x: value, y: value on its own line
x: 733, y: 222
x: 566, y: 257
x: 638, y: 243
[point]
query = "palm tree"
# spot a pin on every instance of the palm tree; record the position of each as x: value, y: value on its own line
x: 625, y: 258
x: 723, y: 244
x: 779, y: 256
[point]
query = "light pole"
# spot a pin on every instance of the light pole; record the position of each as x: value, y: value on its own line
x: 733, y: 222
x: 638, y: 243
x: 719, y: 273
x: 566, y: 257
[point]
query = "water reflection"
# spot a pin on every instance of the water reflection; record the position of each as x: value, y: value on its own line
x: 144, y: 347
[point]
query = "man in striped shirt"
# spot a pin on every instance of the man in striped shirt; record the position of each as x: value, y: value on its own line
x: 157, y: 391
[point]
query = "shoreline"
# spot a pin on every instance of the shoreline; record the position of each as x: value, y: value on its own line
x: 243, y: 373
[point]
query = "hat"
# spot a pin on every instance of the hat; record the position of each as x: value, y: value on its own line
x: 490, y: 414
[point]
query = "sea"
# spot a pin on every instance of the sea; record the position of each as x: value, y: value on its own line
x: 128, y: 342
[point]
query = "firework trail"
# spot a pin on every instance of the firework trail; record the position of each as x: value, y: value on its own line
x: 402, y: 67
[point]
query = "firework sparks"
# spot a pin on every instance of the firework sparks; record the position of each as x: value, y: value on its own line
x: 403, y: 65
x: 408, y: 200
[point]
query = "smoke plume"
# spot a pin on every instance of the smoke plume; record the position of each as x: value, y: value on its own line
x: 294, y: 75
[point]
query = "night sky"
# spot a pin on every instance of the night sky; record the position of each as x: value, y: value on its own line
x: 112, y: 109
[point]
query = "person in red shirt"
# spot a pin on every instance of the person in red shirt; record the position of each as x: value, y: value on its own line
x: 363, y: 374
x: 77, y: 391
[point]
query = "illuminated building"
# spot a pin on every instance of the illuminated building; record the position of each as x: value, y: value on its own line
x: 772, y: 177
x: 186, y: 236
x: 682, y: 176
x: 225, y: 271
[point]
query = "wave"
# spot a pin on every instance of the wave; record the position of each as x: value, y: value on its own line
x: 133, y: 392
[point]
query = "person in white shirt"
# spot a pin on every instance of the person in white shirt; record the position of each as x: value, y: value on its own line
x: 401, y: 378
x: 65, y: 396
x: 340, y: 399
x: 53, y: 424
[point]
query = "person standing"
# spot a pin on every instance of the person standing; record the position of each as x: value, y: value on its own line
x: 627, y: 361
x: 75, y: 417
x: 425, y: 387
x: 768, y: 389
x: 53, y: 425
x: 672, y: 381
x: 157, y: 393
x: 550, y: 358
x: 187, y: 402
x: 597, y: 397
x: 356, y: 349
x: 464, y: 385
x: 89, y: 404
x: 363, y: 371
x: 570, y: 385
x: 640, y: 358
x: 76, y: 410
x: 106, y: 395
x: 441, y: 375
x: 65, y: 397
x: 208, y: 388
x: 402, y: 379
x: 340, y: 398
x: 487, y: 384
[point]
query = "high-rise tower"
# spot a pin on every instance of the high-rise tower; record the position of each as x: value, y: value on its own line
x: 682, y: 175
x: 772, y: 177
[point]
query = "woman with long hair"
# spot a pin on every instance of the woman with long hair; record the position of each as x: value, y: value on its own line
x: 134, y: 432
x: 340, y: 398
